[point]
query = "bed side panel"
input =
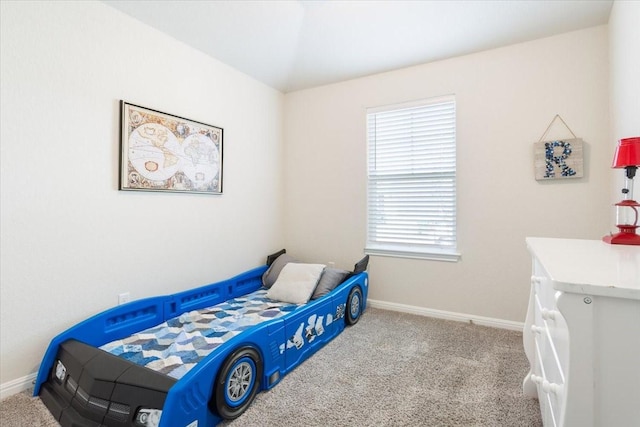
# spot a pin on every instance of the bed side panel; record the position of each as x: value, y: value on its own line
x: 307, y: 330
x: 215, y: 293
x: 245, y: 283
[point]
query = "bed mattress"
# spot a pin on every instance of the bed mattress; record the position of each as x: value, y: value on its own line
x: 177, y: 345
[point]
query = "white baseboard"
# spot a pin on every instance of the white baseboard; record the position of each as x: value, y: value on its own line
x: 16, y: 386
x: 448, y: 315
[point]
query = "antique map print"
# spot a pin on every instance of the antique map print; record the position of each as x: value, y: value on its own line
x: 167, y: 153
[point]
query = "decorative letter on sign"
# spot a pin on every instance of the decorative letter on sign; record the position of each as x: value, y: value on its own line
x: 558, y: 159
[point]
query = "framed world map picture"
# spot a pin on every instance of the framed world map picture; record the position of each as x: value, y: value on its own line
x: 162, y: 152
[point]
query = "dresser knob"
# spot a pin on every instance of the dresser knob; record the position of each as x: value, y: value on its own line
x: 548, y: 314
x: 536, y: 329
x: 536, y: 379
x: 548, y: 387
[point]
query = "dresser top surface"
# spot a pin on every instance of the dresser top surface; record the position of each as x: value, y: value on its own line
x: 589, y: 266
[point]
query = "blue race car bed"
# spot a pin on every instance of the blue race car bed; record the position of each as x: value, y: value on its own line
x: 196, y: 357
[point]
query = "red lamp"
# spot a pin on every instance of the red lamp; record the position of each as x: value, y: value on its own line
x: 628, y: 157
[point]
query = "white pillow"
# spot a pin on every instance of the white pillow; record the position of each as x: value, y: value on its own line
x: 296, y: 283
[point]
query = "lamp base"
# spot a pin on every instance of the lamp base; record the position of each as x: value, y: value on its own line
x: 622, y: 239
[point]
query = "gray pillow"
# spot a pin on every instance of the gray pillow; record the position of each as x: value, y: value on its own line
x: 331, y: 278
x: 271, y: 275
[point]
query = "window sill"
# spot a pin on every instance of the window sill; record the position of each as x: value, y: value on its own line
x: 434, y: 255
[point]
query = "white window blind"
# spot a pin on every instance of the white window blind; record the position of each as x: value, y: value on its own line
x: 412, y: 180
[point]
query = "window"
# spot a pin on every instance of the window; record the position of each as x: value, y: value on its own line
x: 412, y: 180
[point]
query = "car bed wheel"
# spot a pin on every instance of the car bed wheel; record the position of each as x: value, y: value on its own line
x: 238, y: 382
x: 354, y: 306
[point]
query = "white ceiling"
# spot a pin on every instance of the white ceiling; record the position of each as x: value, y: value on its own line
x: 292, y: 44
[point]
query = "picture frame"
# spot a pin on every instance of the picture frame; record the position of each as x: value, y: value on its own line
x: 164, y: 152
x: 559, y: 159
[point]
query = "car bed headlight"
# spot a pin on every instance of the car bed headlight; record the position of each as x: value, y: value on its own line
x: 148, y: 417
x: 61, y: 371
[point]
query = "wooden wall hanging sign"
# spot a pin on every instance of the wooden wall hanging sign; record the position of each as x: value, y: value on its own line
x: 560, y: 158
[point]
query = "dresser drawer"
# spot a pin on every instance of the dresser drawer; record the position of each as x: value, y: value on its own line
x: 549, y: 331
x: 551, y: 367
x: 546, y: 293
x: 550, y: 394
x: 548, y: 315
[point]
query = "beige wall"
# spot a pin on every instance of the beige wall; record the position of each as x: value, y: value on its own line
x: 624, y: 57
x: 70, y: 240
x: 505, y: 100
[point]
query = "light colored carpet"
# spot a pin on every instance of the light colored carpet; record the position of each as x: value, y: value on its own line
x: 390, y: 369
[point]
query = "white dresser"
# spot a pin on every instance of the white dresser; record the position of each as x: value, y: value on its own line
x: 582, y: 333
